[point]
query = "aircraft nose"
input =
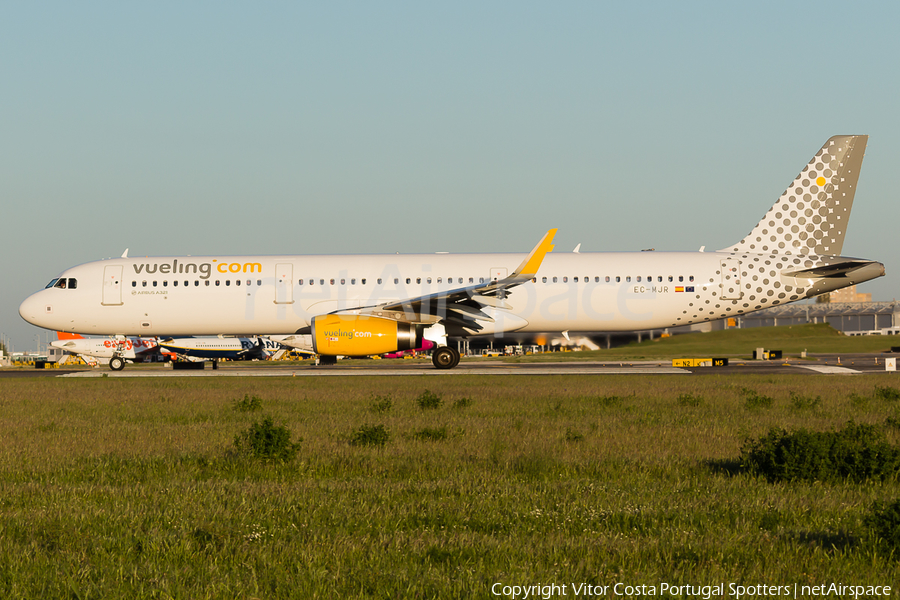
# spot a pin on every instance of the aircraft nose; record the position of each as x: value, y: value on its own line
x: 34, y: 309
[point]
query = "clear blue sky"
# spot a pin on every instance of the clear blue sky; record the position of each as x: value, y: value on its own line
x: 335, y: 127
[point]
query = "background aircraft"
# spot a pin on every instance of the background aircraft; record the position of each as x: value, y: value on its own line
x: 132, y: 349
x: 217, y: 348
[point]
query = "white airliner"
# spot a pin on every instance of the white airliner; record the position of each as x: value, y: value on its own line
x: 374, y: 304
x: 216, y: 348
x: 134, y: 349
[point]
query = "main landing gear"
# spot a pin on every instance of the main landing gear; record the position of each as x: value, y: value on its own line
x: 445, y: 357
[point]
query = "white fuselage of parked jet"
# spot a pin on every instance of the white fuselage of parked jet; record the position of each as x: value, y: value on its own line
x: 584, y: 292
x: 373, y: 304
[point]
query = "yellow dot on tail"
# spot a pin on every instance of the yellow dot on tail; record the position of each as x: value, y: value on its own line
x: 820, y: 181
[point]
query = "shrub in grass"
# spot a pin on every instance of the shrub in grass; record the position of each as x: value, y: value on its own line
x: 856, y: 453
x: 610, y: 400
x: 801, y: 402
x: 248, y: 404
x: 430, y: 434
x: 382, y: 404
x: 428, y: 400
x: 859, y: 400
x: 892, y: 422
x: 463, y: 402
x: 369, y: 435
x: 884, y: 521
x: 266, y: 440
x: 573, y: 436
x: 888, y: 393
x: 753, y: 400
x: 689, y: 400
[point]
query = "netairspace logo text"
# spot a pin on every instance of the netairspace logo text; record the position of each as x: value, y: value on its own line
x: 706, y: 592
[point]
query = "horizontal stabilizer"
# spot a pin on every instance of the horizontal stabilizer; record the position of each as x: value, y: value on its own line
x: 841, y: 269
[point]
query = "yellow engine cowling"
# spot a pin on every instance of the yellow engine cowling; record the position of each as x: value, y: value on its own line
x: 357, y: 335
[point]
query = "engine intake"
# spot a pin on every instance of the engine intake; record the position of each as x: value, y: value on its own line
x: 358, y: 335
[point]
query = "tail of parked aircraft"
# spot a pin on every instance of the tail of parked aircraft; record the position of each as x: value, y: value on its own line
x: 62, y: 335
x: 810, y: 217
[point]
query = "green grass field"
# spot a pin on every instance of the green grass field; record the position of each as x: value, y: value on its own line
x: 133, y: 488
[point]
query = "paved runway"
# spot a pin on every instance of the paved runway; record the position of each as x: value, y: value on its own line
x: 821, y: 364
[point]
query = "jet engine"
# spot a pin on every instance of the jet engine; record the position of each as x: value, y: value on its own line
x: 360, y: 335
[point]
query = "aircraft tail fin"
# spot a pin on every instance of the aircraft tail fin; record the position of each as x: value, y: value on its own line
x: 62, y: 335
x: 811, y: 216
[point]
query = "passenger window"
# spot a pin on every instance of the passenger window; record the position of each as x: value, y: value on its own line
x: 638, y: 278
x: 680, y: 278
x: 565, y: 280
x: 555, y: 280
x: 618, y: 279
x: 543, y: 279
x: 659, y: 279
x: 691, y: 278
x: 379, y: 281
x: 343, y: 282
x: 196, y: 282
x: 217, y: 282
x: 206, y: 283
x: 332, y: 281
x: 481, y: 280
x: 418, y: 280
x: 134, y: 284
x: 428, y: 281
x: 321, y: 282
x: 407, y: 280
x: 249, y: 282
x: 363, y: 281
x: 440, y: 280
x: 228, y: 282
x: 301, y: 282
x: 670, y: 278
x: 607, y: 279
x: 471, y: 280
x: 628, y: 279
x: 575, y: 279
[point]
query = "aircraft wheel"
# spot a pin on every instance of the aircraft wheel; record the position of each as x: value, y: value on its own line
x: 116, y: 363
x: 445, y: 358
x: 456, y: 357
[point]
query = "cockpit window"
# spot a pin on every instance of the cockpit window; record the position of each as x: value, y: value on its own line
x: 51, y: 284
x: 61, y: 283
x: 73, y: 283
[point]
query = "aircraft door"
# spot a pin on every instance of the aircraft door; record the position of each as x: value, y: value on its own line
x: 731, y: 279
x: 112, y: 285
x: 284, y: 287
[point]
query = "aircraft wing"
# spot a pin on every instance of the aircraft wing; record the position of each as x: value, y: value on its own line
x: 463, y: 306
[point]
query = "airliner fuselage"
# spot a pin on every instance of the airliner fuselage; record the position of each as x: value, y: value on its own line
x: 375, y: 304
x: 584, y: 292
